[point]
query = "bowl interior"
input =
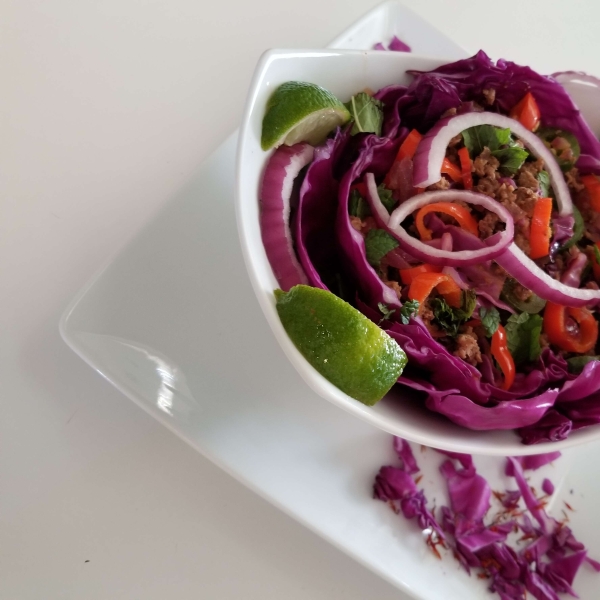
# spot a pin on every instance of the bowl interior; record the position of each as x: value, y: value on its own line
x: 345, y: 73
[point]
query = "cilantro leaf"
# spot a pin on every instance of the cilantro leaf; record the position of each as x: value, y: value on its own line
x: 450, y: 319
x: 409, y: 309
x: 523, y: 337
x: 366, y: 112
x: 481, y: 136
x: 544, y: 183
x: 378, y: 243
x: 385, y: 311
x: 511, y: 159
x: 386, y: 197
x: 358, y: 206
x: 490, y: 319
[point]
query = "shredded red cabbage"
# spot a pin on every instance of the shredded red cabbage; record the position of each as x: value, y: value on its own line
x: 544, y: 567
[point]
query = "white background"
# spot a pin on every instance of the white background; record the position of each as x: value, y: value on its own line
x: 106, y: 108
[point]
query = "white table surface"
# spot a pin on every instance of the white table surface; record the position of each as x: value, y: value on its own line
x: 106, y: 108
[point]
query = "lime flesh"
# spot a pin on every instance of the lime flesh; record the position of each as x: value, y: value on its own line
x: 340, y: 342
x: 301, y: 112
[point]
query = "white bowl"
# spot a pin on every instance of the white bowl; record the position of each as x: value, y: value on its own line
x: 344, y: 73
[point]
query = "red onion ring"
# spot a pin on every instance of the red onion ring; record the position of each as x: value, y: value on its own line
x: 432, y: 150
x: 517, y: 264
x: 425, y: 252
x: 275, y: 193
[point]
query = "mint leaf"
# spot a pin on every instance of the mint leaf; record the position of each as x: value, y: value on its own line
x: 378, y: 243
x: 358, y: 206
x: 409, y: 309
x: 386, y: 198
x: 544, y: 183
x: 450, y: 319
x: 511, y: 159
x: 490, y: 319
x: 366, y: 113
x: 523, y: 337
x: 481, y: 136
x: 385, y: 311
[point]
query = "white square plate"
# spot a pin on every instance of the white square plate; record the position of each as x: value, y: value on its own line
x: 173, y: 323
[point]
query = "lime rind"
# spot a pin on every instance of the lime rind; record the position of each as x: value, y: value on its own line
x: 301, y: 112
x: 341, y: 343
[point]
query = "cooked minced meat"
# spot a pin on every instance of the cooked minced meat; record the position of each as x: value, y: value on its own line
x: 487, y: 225
x: 486, y: 165
x: 573, y: 180
x: 467, y: 347
x: 442, y: 184
x: 490, y: 96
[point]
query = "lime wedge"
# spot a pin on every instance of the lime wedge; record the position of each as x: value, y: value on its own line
x: 301, y: 112
x: 340, y: 342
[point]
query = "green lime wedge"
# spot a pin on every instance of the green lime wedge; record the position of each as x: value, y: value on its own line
x: 301, y: 112
x: 340, y: 342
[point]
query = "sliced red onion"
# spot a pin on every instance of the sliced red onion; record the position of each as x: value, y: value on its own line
x: 517, y: 264
x: 432, y: 151
x: 572, y: 276
x: 276, y: 190
x: 495, y: 245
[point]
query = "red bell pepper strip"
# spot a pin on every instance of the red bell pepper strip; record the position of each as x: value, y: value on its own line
x: 452, y: 170
x: 465, y: 167
x: 592, y: 186
x: 407, y: 275
x: 527, y: 112
x: 407, y: 150
x: 503, y: 357
x: 539, y: 231
x: 579, y: 339
x: 460, y: 213
x: 422, y: 285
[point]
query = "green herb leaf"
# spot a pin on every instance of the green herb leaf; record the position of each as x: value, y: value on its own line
x: 409, y: 309
x: 578, y: 230
x: 490, y: 319
x: 366, y: 113
x: 544, y: 183
x: 385, y: 311
x: 481, y: 136
x: 511, y: 159
x: 523, y: 337
x: 386, y: 197
x: 577, y: 363
x: 450, y: 319
x: 378, y: 243
x: 358, y: 206
x: 597, y: 254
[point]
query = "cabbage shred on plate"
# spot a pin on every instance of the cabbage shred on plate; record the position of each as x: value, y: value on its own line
x: 466, y: 223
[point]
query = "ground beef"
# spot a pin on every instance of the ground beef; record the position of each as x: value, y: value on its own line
x: 395, y: 286
x: 521, y: 293
x: 449, y: 113
x: 573, y: 180
x: 526, y: 199
x: 526, y: 179
x: 467, y: 347
x: 488, y: 186
x: 486, y: 165
x: 487, y: 225
x: 506, y: 193
x: 490, y: 96
x: 442, y: 184
x: 457, y: 139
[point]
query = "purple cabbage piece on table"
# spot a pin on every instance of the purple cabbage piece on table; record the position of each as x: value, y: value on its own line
x: 544, y: 568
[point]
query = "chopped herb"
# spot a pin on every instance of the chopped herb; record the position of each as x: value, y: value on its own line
x: 523, y: 337
x: 385, y: 311
x: 386, y: 197
x: 490, y: 319
x: 358, y: 206
x: 378, y: 243
x: 450, y: 319
x: 511, y: 159
x: 409, y: 309
x: 366, y: 113
x: 544, y: 183
x: 485, y: 136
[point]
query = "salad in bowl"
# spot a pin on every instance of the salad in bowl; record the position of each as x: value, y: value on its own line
x: 448, y: 214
